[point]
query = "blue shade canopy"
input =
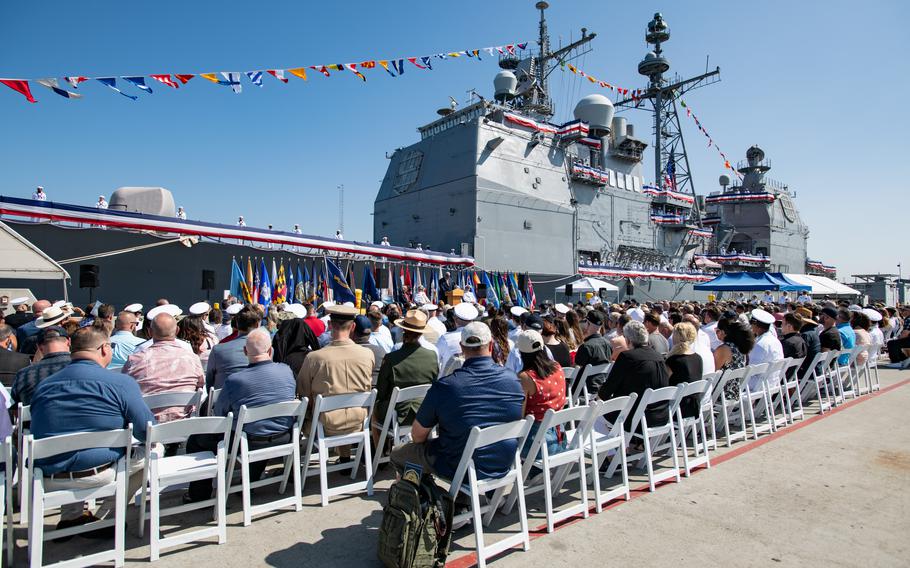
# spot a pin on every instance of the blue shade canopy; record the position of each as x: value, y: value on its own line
x: 750, y: 282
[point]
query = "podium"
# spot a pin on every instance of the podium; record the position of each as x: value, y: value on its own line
x: 453, y: 297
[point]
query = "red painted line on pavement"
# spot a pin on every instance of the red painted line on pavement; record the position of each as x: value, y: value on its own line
x: 470, y: 559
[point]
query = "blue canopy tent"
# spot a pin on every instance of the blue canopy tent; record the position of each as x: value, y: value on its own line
x: 751, y: 281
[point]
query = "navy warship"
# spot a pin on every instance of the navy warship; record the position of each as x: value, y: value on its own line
x: 499, y: 181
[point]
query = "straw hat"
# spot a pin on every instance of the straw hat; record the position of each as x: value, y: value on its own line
x: 51, y: 316
x: 414, y: 320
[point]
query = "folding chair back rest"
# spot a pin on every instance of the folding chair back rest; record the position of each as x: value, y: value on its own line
x: 581, y: 381
x: 699, y: 388
x: 754, y: 375
x: 482, y: 437
x: 569, y: 373
x: 621, y: 404
x: 179, y: 430
x: 725, y: 377
x: 794, y: 364
x: 212, y: 399
x: 169, y: 399
x: 349, y: 400
x: 249, y: 415
x: 407, y: 394
x: 55, y: 445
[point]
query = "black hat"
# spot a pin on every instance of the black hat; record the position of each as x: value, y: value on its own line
x: 51, y: 332
x: 596, y: 317
x: 830, y: 312
x: 534, y: 322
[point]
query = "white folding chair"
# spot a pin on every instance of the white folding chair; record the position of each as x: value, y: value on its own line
x: 210, y: 401
x: 390, y: 425
x: 858, y: 372
x: 792, y: 396
x: 474, y: 487
x: 185, y: 399
x: 606, y: 437
x: 696, y: 424
x: 814, y: 378
x: 653, y: 436
x: 163, y: 472
x: 872, y: 367
x: 289, y: 452
x: 42, y: 500
x: 23, y: 422
x: 844, y: 372
x: 754, y: 394
x: 707, y: 407
x: 731, y: 411
x: 539, y: 458
x: 771, y: 382
x: 832, y: 377
x: 360, y: 438
x: 6, y: 499
x: 580, y: 394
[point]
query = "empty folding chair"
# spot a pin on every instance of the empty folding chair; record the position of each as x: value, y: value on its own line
x: 390, y: 426
x: 187, y: 399
x: 6, y: 499
x: 730, y: 411
x: 474, y: 488
x: 814, y: 379
x: 754, y: 394
x: 41, y: 500
x: 606, y: 437
x: 323, y: 443
x: 163, y: 472
x: 694, y: 424
x: 289, y: 452
x: 580, y: 394
x: 540, y: 460
x: 792, y: 397
x: 857, y: 369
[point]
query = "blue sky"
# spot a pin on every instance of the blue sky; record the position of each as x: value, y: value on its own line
x: 816, y: 84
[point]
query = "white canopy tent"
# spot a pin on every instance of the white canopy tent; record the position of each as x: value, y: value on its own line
x: 822, y: 286
x: 587, y: 284
x: 24, y: 261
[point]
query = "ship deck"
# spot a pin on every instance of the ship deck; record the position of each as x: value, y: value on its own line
x: 829, y: 490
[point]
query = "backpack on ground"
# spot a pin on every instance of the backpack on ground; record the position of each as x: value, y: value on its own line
x: 416, y: 528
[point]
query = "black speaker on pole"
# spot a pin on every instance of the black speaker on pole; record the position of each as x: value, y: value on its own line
x: 602, y: 293
x: 481, y: 291
x: 630, y: 288
x: 382, y: 279
x: 208, y: 279
x: 522, y: 281
x: 89, y: 276
x: 568, y: 290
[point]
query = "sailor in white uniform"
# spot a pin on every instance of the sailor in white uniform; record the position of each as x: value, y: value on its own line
x: 181, y: 214
x: 767, y: 347
x: 39, y: 194
x: 449, y: 345
x: 102, y: 202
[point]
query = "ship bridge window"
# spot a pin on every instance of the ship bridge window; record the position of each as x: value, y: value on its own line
x: 408, y: 170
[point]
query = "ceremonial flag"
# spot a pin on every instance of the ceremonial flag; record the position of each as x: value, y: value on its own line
x: 407, y: 279
x: 139, y: 82
x: 278, y: 74
x: 265, y: 286
x: 532, y: 297
x: 300, y: 293
x: 299, y: 72
x: 74, y: 81
x: 232, y: 79
x: 291, y: 284
x: 418, y: 281
x: 238, y: 286
x: 52, y: 84
x: 166, y: 79
x: 20, y: 87
x: 341, y: 292
x: 503, y: 288
x: 281, y: 286
x: 393, y: 285
x: 248, y: 293
x: 112, y: 83
x: 255, y: 77
x: 184, y: 78
x: 274, y: 278
x: 370, y: 291
x: 257, y: 282
x: 492, y: 297
x: 309, y: 289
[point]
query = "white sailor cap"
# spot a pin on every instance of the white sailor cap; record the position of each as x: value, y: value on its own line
x: 466, y: 312
x: 517, y: 311
x: 200, y: 308
x: 855, y: 308
x: 328, y: 304
x: 429, y: 307
x: 562, y: 308
x: 297, y: 309
x: 233, y: 309
x: 19, y: 301
x: 136, y: 307
x: 170, y: 309
x: 762, y: 316
x: 377, y: 304
x: 873, y: 315
x: 348, y: 304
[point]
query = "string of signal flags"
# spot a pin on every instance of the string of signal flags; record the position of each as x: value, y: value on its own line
x: 395, y: 67
x: 635, y: 93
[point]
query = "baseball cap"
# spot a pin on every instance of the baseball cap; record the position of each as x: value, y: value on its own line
x: 51, y: 332
x: 830, y: 312
x: 475, y: 334
x: 534, y: 321
x: 595, y: 317
x: 362, y: 325
x: 529, y: 341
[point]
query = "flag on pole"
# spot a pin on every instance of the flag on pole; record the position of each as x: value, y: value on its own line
x: 52, y: 84
x: 274, y: 279
x: 281, y: 286
x: 265, y: 286
x: 341, y: 292
x: 532, y: 297
x: 112, y: 83
x: 238, y: 286
x: 370, y: 291
x: 248, y: 292
x: 257, y: 282
x: 139, y: 82
x: 492, y: 297
x: 301, y: 292
x: 292, y: 291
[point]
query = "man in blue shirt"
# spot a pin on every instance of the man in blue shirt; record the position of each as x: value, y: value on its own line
x: 227, y: 358
x: 25, y: 334
x: 124, y: 340
x: 259, y: 384
x: 85, y: 397
x: 54, y: 346
x: 847, y: 335
x: 480, y: 393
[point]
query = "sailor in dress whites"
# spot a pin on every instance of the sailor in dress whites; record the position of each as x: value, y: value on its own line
x: 39, y: 194
x: 449, y: 345
x: 767, y: 347
x: 102, y: 203
x: 181, y: 214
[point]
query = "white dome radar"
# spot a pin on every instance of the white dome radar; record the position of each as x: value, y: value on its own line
x: 597, y: 111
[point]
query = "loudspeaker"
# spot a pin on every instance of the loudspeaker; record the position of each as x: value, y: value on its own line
x: 630, y: 289
x: 602, y: 293
x: 568, y: 289
x: 89, y: 276
x: 208, y: 279
x: 522, y: 281
x: 382, y: 277
x: 481, y: 291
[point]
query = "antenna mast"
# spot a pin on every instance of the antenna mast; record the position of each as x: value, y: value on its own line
x: 341, y: 209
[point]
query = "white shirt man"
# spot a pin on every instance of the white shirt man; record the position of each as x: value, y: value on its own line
x: 767, y: 347
x: 39, y: 194
x: 804, y: 298
x: 449, y: 344
x: 636, y: 313
x: 768, y: 298
x: 241, y: 222
x: 468, y: 296
x: 297, y: 230
x: 784, y: 299
x: 102, y: 202
x: 181, y: 214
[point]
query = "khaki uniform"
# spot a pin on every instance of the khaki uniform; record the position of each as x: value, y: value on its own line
x: 341, y: 367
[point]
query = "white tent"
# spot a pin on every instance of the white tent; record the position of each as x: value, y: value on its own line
x: 822, y: 286
x: 24, y: 261
x: 587, y: 284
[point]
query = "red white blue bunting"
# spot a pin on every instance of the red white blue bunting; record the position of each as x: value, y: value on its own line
x: 603, y: 271
x: 762, y: 197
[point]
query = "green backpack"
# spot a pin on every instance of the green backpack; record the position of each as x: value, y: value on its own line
x: 416, y: 528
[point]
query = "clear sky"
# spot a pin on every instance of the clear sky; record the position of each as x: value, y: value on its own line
x: 816, y: 84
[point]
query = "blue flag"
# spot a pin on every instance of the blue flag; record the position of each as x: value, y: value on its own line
x: 139, y: 82
x: 237, y: 280
x: 265, y: 287
x: 491, y: 291
x: 370, y: 291
x: 341, y: 292
x: 292, y: 285
x: 112, y: 83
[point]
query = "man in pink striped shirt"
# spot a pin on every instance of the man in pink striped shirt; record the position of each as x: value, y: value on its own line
x: 166, y: 366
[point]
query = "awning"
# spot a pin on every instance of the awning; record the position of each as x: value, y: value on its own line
x: 822, y: 286
x: 585, y: 285
x: 23, y: 260
x: 750, y: 282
